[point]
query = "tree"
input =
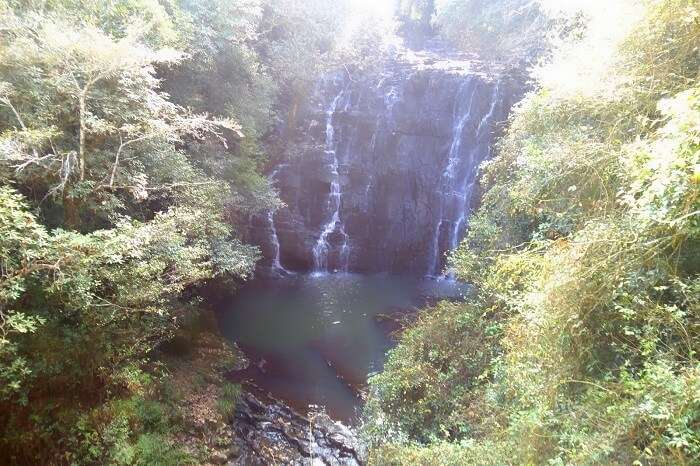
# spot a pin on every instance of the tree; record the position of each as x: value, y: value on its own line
x: 416, y: 17
x: 105, y: 90
x: 506, y: 30
x: 110, y: 213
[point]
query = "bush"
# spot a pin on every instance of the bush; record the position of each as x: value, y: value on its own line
x: 157, y: 450
x: 581, y: 344
x: 228, y: 400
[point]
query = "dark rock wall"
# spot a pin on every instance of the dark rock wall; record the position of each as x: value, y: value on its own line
x: 407, y: 142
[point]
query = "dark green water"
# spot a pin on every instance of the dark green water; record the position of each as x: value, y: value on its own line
x: 314, y: 339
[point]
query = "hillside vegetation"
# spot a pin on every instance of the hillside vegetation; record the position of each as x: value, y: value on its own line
x: 132, y: 144
x: 580, y: 344
x: 134, y: 138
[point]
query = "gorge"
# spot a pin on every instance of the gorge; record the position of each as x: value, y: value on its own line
x: 378, y: 187
x: 349, y: 232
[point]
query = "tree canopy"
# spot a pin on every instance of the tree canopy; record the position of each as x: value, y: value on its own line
x: 133, y: 139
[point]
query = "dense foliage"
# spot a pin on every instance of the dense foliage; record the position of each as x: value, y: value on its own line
x: 507, y: 30
x: 133, y: 138
x: 580, y: 344
x: 132, y: 143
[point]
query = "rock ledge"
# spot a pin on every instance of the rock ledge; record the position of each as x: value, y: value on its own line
x: 272, y: 433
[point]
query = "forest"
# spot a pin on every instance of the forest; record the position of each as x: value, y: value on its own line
x: 161, y: 157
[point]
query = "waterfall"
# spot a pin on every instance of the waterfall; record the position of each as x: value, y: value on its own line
x: 276, y: 265
x: 459, y: 176
x: 383, y: 172
x: 469, y: 182
x: 322, y: 248
x: 434, y: 266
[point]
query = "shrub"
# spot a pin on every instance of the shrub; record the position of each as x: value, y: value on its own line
x: 228, y: 400
x: 156, y: 450
x: 584, y: 333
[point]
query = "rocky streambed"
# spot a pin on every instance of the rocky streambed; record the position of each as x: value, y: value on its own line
x: 271, y: 433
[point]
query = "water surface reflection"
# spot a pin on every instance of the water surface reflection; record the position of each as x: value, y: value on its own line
x: 314, y: 339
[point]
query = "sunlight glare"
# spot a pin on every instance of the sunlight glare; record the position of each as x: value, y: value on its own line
x: 380, y: 9
x: 377, y: 15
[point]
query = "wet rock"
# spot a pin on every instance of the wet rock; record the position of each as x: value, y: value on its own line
x: 272, y: 433
x: 398, y: 136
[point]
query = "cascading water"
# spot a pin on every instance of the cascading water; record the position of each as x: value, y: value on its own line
x: 459, y: 177
x: 386, y: 170
x: 387, y: 157
x: 448, y: 189
x: 482, y: 132
x: 276, y: 265
x: 322, y: 247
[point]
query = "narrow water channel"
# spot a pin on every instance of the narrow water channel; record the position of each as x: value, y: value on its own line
x: 313, y: 339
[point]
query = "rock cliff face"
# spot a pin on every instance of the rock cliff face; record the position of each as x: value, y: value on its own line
x: 388, y: 176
